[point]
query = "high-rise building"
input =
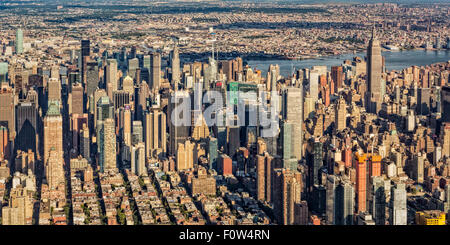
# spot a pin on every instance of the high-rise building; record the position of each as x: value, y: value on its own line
x: 361, y: 182
x: 20, y: 208
x: 27, y: 126
x: 398, y: 209
x: 19, y: 41
x: 225, y: 165
x: 109, y: 145
x: 77, y: 105
x: 155, y: 133
x: 341, y: 115
x: 445, y: 103
x: 345, y: 203
x: 7, y: 112
x: 111, y: 77
x: 418, y: 168
x: 185, y: 155
x: 138, y: 159
x: 378, y: 200
x: 293, y: 112
x: 445, y: 139
x: 155, y: 70
x: 54, y: 89
x: 92, y: 78
x: 374, y: 71
x: 337, y: 75
x: 85, y: 48
x: 175, y: 63
x: 53, y: 131
x: 212, y: 152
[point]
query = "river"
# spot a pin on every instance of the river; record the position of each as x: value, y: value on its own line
x: 395, y: 60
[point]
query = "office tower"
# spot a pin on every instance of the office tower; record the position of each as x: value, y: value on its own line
x: 331, y: 199
x: 141, y: 100
x: 445, y: 139
x: 233, y: 139
x: 138, y: 159
x: 286, y: 193
x: 423, y: 101
x: 133, y: 65
x: 77, y: 105
x: 55, y: 170
x: 85, y: 48
x: 314, y: 85
x: 19, y: 41
x: 85, y: 141
x: 3, y: 72
x: 398, y: 209
x: 361, y: 182
x: 146, y: 62
x: 374, y: 71
x: 76, y: 125
x: 108, y: 147
x: 54, y: 89
x: 225, y: 165
x: 378, y: 200
x: 272, y: 78
x: 120, y: 99
x: 289, y: 160
x: 178, y: 132
x: 155, y: 132
x: 301, y: 213
x: 293, y: 112
x: 7, y: 112
x: 418, y: 168
x: 126, y: 126
x: 337, y: 75
x: 4, y: 143
x: 104, y: 109
x: 345, y: 203
x: 260, y: 178
x: 199, y: 130
x: 111, y: 77
x: 314, y: 160
x: 138, y: 133
x: 175, y: 63
x: 155, y: 71
x: 53, y: 132
x: 445, y: 103
x: 27, y: 126
x: 340, y: 115
x: 212, y: 152
x: 128, y: 86
x: 185, y: 155
x: 92, y: 78
x: 20, y: 208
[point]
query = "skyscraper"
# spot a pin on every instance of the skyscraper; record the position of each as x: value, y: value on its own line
x: 155, y: 70
x: 175, y: 66
x: 111, y: 77
x: 155, y: 133
x: 19, y: 41
x: 53, y: 146
x: 374, y: 71
x: 293, y: 112
x: 398, y: 210
x: 109, y: 144
x: 340, y: 114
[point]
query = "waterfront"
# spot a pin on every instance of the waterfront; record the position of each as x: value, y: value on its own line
x: 395, y: 60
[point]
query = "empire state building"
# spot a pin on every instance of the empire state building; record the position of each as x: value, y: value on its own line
x: 374, y: 69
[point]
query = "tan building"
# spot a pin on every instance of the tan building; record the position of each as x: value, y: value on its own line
x: 20, y: 208
x: 185, y: 155
x: 340, y: 115
x: 203, y: 184
x: 155, y: 133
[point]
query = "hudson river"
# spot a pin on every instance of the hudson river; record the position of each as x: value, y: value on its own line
x: 395, y: 60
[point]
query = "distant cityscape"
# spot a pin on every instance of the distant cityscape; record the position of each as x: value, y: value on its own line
x: 146, y: 113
